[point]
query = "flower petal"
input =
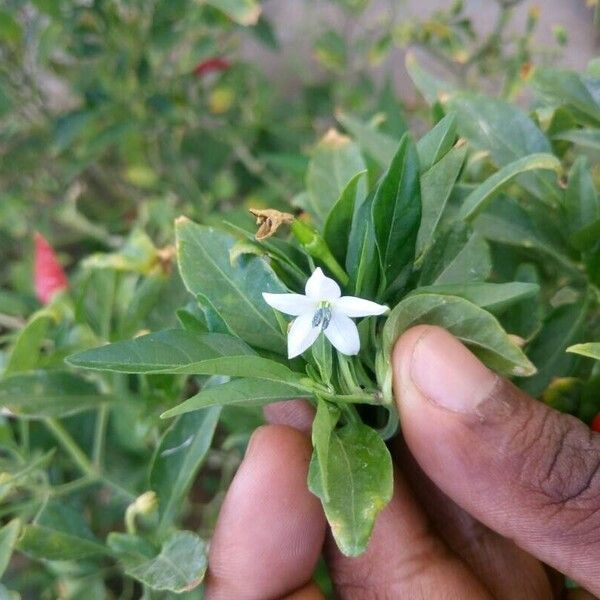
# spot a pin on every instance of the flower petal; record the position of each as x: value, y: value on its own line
x: 301, y: 334
x: 352, y: 306
x: 319, y: 287
x: 343, y: 334
x: 290, y: 304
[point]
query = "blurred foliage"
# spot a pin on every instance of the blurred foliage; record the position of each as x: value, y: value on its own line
x: 116, y: 116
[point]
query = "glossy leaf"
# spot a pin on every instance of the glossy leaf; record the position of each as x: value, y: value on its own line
x: 436, y: 186
x: 178, y: 567
x: 478, y: 199
x: 339, y: 221
x: 397, y: 213
x: 178, y: 456
x: 360, y: 485
x: 335, y: 161
x: 39, y: 394
x: 240, y: 391
x: 235, y: 291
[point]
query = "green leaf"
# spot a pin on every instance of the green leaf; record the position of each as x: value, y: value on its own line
x: 178, y: 351
x: 322, y: 353
x: 437, y: 142
x: 235, y: 291
x: 493, y: 297
x: 433, y: 89
x: 591, y: 350
x: 25, y: 353
x: 458, y: 256
x: 8, y: 538
x: 339, y: 221
x: 508, y: 134
x: 436, y: 186
x: 478, y: 199
x: 178, y: 456
x: 568, y: 87
x: 335, y: 161
x: 587, y: 138
x: 178, y: 567
x: 59, y: 533
x: 360, y: 485
x: 397, y: 212
x: 246, y: 391
x: 380, y: 146
x: 244, y: 12
x: 582, y: 205
x: 562, y: 327
x: 476, y: 327
x: 40, y: 394
x: 324, y: 423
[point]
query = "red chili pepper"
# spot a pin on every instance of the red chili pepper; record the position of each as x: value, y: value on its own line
x: 211, y: 65
x: 596, y: 423
x: 49, y: 276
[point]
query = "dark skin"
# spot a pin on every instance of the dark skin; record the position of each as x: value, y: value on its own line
x: 494, y: 493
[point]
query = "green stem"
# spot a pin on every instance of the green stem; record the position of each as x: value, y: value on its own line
x: 71, y: 446
x: 24, y: 435
x: 100, y: 435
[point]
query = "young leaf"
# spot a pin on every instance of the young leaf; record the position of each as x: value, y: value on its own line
x: 240, y: 391
x: 591, y: 350
x: 179, y: 566
x: 39, y: 394
x: 235, y: 290
x: 178, y: 456
x: 324, y: 423
x: 360, y: 484
x: 436, y: 186
x: 437, y: 142
x: 478, y: 199
x: 458, y: 256
x: 397, y: 213
x: 178, y: 351
x: 339, y: 221
x: 335, y: 162
x: 476, y: 327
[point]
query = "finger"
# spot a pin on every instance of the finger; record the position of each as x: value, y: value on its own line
x: 404, y: 559
x: 528, y: 472
x: 507, y: 571
x: 298, y: 414
x: 270, y: 530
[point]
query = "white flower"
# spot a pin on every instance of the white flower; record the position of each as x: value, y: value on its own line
x: 323, y: 308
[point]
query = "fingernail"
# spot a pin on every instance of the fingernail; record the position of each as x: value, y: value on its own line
x: 448, y: 374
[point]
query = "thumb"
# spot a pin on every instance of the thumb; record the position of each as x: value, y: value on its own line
x: 528, y: 472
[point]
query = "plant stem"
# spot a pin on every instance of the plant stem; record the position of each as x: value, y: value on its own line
x: 71, y: 446
x: 100, y: 435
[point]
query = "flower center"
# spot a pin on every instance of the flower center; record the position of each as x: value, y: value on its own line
x: 322, y: 315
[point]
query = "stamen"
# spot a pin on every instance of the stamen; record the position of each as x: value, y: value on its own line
x: 322, y: 316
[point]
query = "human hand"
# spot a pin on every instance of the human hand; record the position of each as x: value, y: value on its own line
x: 490, y: 487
